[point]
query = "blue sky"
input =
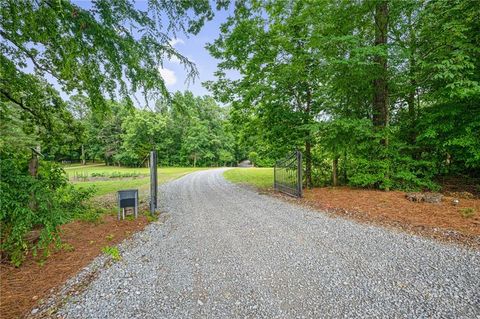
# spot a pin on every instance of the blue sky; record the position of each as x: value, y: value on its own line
x: 192, y: 47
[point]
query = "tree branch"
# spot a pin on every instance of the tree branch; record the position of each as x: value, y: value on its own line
x: 28, y: 54
x: 19, y: 103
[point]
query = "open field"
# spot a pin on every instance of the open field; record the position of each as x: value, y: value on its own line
x: 109, y: 179
x: 258, y: 177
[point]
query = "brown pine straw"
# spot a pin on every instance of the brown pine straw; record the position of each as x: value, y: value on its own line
x: 24, y: 287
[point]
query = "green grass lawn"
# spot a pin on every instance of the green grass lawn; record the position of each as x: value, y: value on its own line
x: 258, y: 177
x: 109, y: 186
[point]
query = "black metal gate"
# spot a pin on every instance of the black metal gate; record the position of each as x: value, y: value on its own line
x: 287, y: 175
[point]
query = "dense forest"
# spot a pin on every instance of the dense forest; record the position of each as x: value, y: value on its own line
x: 382, y: 94
x: 378, y: 94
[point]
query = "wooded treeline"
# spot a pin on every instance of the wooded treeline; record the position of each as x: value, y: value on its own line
x: 382, y: 94
x: 185, y: 131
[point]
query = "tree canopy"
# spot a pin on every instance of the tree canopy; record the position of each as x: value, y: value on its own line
x: 386, y: 91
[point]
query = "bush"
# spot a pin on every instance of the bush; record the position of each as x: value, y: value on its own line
x: 41, y: 204
x: 370, y: 163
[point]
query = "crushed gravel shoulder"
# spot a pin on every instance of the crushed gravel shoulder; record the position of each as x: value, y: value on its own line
x: 223, y: 251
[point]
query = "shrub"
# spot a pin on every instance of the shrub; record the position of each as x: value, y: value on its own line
x: 27, y: 203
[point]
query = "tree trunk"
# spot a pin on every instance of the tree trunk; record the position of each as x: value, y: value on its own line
x: 308, y: 142
x: 335, y: 171
x: 195, y: 160
x: 345, y: 177
x: 413, y: 87
x: 83, y: 155
x: 380, y: 89
x: 33, y: 170
x: 33, y: 163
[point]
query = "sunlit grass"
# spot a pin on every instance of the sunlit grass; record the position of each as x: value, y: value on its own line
x: 258, y: 177
x: 103, y: 187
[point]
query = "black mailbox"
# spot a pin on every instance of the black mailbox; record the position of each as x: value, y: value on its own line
x: 127, y: 198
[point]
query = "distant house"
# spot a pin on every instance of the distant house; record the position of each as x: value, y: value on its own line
x: 245, y: 163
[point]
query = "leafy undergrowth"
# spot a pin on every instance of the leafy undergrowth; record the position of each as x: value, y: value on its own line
x: 258, y: 177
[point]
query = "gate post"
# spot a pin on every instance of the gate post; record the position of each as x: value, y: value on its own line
x: 275, y: 176
x: 153, y: 181
x: 299, y: 174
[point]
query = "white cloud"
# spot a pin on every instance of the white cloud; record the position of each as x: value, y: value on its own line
x: 168, y: 76
x: 175, y: 60
x: 174, y: 42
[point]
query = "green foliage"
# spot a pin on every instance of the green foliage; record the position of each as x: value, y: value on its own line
x: 43, y: 203
x: 308, y: 79
x: 449, y: 133
x: 90, y: 215
x: 108, y: 48
x: 253, y: 157
x: 113, y: 252
x: 151, y: 218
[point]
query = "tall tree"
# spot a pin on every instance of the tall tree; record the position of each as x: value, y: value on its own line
x: 270, y: 45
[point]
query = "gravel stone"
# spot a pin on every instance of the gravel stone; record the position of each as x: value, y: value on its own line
x: 249, y: 255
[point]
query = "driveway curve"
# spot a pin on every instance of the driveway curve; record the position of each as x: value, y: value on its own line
x: 227, y: 252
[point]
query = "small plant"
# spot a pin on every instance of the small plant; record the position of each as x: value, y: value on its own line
x: 112, y: 252
x: 467, y: 212
x: 151, y: 218
x: 67, y: 247
x: 110, y: 237
x: 91, y: 216
x: 124, y: 174
x: 95, y: 174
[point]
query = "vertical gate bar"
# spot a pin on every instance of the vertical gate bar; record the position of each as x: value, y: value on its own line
x: 153, y: 181
x: 275, y: 176
x: 299, y: 170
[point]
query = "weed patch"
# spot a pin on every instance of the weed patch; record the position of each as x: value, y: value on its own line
x: 467, y: 212
x: 112, y: 252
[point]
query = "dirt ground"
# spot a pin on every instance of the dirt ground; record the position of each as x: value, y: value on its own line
x: 443, y: 220
x: 22, y: 288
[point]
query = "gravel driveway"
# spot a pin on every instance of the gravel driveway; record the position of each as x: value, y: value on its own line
x: 228, y: 252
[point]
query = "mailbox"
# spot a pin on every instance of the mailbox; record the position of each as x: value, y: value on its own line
x: 127, y: 198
